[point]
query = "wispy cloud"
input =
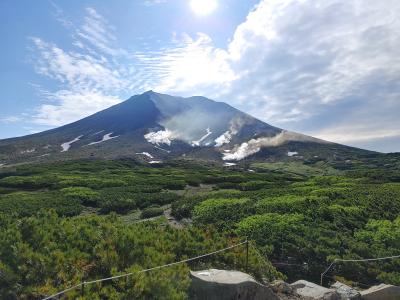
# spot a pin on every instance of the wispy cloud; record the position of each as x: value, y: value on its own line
x: 71, y: 105
x: 320, y: 67
x: 75, y: 69
x: 99, y: 33
x: 90, y: 77
x: 11, y: 119
x: 295, y: 62
x: 154, y: 2
x: 188, y: 64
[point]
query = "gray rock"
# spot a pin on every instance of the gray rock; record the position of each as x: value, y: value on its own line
x: 227, y: 285
x: 314, y: 291
x: 381, y: 292
x: 346, y: 292
x: 279, y: 286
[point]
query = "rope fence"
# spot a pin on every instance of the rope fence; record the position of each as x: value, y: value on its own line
x: 84, y: 283
x: 246, y: 242
x: 336, y: 260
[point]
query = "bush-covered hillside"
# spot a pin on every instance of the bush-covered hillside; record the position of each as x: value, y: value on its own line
x: 81, y: 220
x: 44, y: 253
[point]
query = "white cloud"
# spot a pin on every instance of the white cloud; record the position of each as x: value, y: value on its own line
x: 292, y: 62
x: 154, y: 2
x: 71, y: 106
x: 11, y: 119
x: 75, y: 69
x: 99, y: 33
x: 90, y: 77
x: 321, y: 67
x: 347, y: 134
x: 188, y: 65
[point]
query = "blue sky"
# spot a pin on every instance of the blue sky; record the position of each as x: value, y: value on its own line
x: 328, y: 68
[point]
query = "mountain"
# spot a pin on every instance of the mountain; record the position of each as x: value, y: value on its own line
x: 154, y: 127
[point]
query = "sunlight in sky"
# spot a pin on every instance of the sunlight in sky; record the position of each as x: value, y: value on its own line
x: 203, y: 7
x: 278, y: 60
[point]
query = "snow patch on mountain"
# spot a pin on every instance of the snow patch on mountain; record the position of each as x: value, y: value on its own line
x: 159, y: 148
x: 160, y: 137
x: 198, y: 142
x: 105, y: 138
x: 146, y: 154
x: 229, y: 164
x: 254, y: 145
x: 98, y: 132
x: 65, y: 146
x: 155, y: 162
x: 28, y: 151
x: 226, y: 137
x: 223, y: 139
x: 290, y: 154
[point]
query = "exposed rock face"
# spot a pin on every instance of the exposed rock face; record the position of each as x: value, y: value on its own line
x: 346, y: 292
x: 281, y: 287
x: 234, y: 285
x: 381, y: 292
x: 314, y: 291
x: 227, y: 285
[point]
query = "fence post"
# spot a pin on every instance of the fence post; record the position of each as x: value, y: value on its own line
x: 247, y: 255
x: 83, y: 288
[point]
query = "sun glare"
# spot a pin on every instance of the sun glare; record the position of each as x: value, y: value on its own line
x: 203, y: 7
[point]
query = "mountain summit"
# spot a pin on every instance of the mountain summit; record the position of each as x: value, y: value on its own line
x: 154, y: 127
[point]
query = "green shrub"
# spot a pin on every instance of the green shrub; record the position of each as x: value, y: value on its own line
x: 274, y: 229
x: 152, y: 211
x: 183, y: 208
x: 29, y: 203
x: 28, y: 182
x: 48, y: 254
x: 286, y: 204
x: 121, y: 206
x: 253, y: 185
x: 221, y: 212
x: 85, y: 195
x: 91, y: 182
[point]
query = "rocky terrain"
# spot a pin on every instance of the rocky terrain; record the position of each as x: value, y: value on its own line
x: 231, y: 285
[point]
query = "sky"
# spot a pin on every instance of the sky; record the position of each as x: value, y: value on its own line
x: 330, y: 69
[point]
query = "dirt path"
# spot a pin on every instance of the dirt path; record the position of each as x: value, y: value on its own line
x: 171, y: 220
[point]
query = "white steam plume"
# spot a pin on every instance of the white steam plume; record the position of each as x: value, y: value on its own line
x: 160, y: 137
x: 254, y: 145
x: 225, y: 138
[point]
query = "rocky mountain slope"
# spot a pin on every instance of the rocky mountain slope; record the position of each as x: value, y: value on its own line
x: 154, y: 127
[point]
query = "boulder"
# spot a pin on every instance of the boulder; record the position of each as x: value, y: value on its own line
x: 314, y: 291
x: 381, y: 292
x: 281, y: 287
x: 227, y: 285
x: 346, y: 292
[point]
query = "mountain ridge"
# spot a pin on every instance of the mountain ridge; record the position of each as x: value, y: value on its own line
x: 168, y: 127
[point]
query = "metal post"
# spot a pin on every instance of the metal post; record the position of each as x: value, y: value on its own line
x: 83, y: 288
x: 247, y: 255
